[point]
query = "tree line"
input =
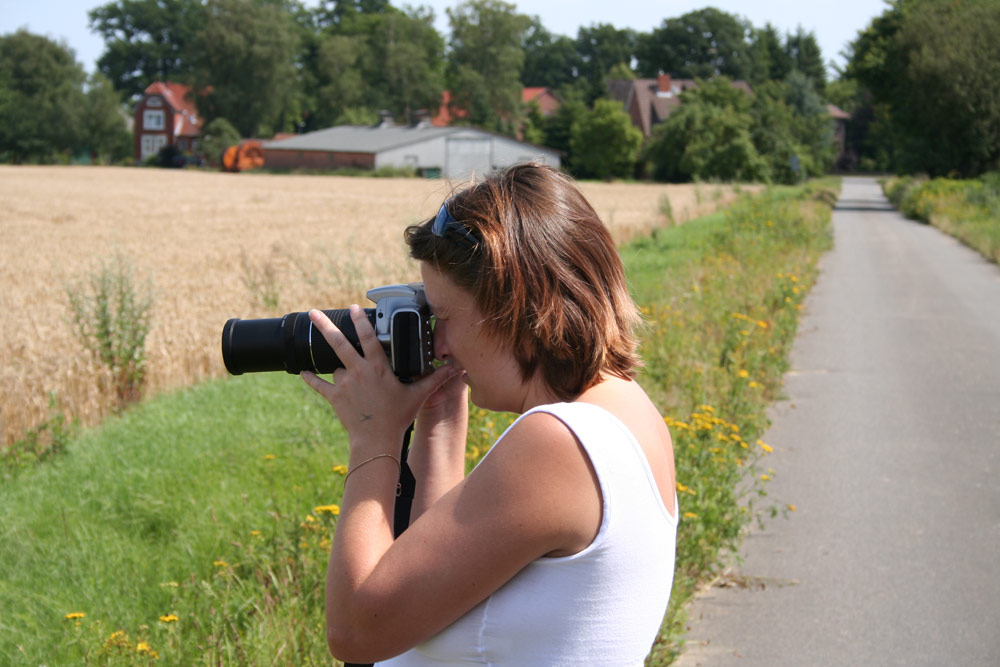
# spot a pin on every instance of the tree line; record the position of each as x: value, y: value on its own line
x: 268, y: 66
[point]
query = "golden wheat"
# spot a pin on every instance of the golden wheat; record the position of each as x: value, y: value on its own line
x: 215, y: 246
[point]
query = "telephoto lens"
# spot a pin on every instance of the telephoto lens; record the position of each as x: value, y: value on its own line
x: 290, y: 343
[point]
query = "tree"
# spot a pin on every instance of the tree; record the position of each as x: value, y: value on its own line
x: 699, y: 44
x: 769, y: 58
x: 549, y: 60
x: 602, y: 47
x: 485, y: 62
x: 104, y: 132
x: 407, y: 68
x: 605, y: 143
x: 216, y: 138
x: 41, y: 98
x: 146, y: 40
x: 931, y: 67
x: 708, y: 137
x: 805, y: 56
x: 244, y: 65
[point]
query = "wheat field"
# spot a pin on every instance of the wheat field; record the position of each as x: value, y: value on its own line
x: 211, y: 246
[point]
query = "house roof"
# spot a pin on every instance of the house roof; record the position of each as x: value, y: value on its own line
x: 837, y: 113
x: 360, y: 138
x: 654, y: 99
x: 532, y: 92
x: 178, y: 96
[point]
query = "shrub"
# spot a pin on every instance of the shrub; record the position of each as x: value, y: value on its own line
x: 111, y: 318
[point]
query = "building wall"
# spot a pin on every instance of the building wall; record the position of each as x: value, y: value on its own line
x: 292, y: 159
x: 154, y: 126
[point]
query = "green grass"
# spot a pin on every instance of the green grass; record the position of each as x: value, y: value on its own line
x: 212, y: 505
x: 969, y: 209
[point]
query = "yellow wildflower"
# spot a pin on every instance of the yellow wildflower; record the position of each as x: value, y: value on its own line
x: 168, y: 618
x: 765, y: 478
x: 690, y: 515
x: 767, y: 448
x: 791, y: 507
x: 268, y: 457
x: 220, y: 563
x: 755, y: 385
x: 334, y: 510
x: 743, y: 373
x: 340, y: 469
x: 143, y: 647
x: 74, y: 615
x: 255, y: 533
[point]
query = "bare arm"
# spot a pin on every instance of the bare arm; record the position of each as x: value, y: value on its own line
x: 437, y: 452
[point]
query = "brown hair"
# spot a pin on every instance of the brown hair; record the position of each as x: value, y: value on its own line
x: 545, y: 274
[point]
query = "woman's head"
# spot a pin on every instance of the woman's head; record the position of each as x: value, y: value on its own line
x: 544, y: 272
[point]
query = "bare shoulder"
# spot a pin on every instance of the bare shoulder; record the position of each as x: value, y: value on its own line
x: 627, y: 401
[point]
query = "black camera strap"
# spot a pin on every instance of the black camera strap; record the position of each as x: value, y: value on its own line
x: 404, y: 503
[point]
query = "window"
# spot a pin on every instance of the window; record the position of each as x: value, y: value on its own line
x: 154, y: 102
x: 152, y: 120
x: 151, y: 145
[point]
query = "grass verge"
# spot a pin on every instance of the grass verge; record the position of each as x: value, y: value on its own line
x: 969, y: 210
x: 194, y: 529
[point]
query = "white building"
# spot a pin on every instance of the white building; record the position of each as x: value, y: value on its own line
x: 453, y: 152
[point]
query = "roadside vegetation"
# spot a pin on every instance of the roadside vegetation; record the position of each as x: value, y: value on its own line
x: 967, y: 209
x: 194, y: 527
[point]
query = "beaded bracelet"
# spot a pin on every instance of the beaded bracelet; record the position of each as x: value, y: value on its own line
x: 377, y: 456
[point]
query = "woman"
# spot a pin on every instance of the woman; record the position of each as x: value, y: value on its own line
x: 559, y: 547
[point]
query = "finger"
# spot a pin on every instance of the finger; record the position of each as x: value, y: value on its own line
x: 366, y: 334
x: 430, y: 383
x: 335, y: 337
x: 316, y: 382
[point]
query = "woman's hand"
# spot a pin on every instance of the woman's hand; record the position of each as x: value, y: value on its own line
x: 371, y: 402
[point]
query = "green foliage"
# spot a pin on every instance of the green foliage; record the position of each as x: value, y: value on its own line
x: 601, y: 48
x: 41, y: 443
x: 104, y: 130
x: 111, y: 315
x: 549, y: 60
x: 931, y: 68
x: 969, y: 210
x: 41, y: 98
x: 485, y: 62
x: 700, y: 44
x: 217, y: 136
x: 708, y: 137
x: 146, y: 41
x: 243, y: 62
x: 605, y: 143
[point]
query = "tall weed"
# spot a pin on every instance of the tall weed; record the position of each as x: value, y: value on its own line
x: 111, y: 317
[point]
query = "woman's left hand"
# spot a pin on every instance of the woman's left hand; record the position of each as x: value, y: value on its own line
x: 371, y: 402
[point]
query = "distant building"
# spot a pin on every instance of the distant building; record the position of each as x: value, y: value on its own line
x: 649, y: 101
x: 546, y: 100
x: 165, y: 116
x: 452, y: 152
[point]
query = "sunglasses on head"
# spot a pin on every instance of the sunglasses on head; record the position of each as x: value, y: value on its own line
x: 445, y: 226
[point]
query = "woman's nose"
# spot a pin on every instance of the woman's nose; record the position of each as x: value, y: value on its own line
x: 441, y: 352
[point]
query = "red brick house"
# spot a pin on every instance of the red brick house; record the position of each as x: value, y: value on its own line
x: 165, y: 116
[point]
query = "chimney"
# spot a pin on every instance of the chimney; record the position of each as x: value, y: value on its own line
x: 385, y: 118
x: 663, y: 83
x: 421, y: 118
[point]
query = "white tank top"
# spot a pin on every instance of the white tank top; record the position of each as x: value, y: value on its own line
x: 601, y: 606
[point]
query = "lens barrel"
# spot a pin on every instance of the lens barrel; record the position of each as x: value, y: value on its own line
x: 290, y: 343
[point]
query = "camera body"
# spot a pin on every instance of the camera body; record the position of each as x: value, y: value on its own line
x: 400, y: 318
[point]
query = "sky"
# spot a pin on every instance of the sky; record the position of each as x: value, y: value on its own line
x: 833, y: 22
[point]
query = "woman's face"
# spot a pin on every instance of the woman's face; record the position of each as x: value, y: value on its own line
x: 492, y: 373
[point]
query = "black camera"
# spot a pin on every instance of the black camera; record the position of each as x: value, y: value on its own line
x: 401, y: 320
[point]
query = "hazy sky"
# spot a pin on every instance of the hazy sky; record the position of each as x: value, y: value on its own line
x: 834, y: 22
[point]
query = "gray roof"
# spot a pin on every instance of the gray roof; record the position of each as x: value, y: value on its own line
x: 361, y: 138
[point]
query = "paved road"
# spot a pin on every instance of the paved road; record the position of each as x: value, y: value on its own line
x: 889, y: 446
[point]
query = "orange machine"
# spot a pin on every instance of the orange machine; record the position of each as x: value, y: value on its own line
x: 246, y: 155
